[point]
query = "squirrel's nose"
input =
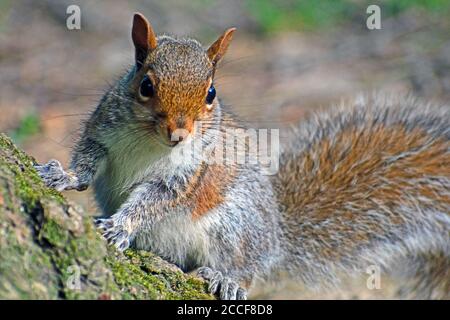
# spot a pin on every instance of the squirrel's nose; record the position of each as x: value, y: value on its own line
x: 176, y: 135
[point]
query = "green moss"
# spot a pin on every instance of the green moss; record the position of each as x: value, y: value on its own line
x: 135, y: 284
x: 54, y: 234
x: 29, y: 186
x: 142, y: 276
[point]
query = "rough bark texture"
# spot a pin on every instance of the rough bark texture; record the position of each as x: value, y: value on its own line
x: 49, y: 249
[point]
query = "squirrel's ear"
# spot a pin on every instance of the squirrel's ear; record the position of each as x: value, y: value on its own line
x: 217, y: 50
x: 144, y: 38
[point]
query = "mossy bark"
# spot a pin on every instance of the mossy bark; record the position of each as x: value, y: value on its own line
x: 49, y: 249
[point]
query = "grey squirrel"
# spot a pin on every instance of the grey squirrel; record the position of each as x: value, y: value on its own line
x: 363, y: 184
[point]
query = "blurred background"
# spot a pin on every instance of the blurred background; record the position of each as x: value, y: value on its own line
x: 289, y: 57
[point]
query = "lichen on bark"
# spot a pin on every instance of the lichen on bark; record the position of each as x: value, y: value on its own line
x: 50, y: 249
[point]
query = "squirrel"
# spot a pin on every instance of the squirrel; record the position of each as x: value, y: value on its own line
x: 364, y: 184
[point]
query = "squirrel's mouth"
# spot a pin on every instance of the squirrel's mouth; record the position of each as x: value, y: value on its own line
x: 173, y: 138
x: 173, y: 142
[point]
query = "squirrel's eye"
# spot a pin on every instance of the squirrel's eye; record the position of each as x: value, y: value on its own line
x: 211, y: 95
x: 146, y: 89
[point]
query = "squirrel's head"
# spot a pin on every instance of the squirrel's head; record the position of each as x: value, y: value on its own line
x: 173, y: 83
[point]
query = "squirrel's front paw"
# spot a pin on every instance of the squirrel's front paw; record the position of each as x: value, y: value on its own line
x: 113, y: 232
x: 54, y: 176
x: 224, y: 287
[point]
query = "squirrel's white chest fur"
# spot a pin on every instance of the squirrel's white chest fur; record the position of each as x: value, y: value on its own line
x: 179, y: 239
x: 131, y: 160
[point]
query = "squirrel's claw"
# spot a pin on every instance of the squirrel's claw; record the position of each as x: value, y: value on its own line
x: 103, y: 224
x: 224, y: 287
x: 54, y: 176
x: 229, y: 289
x: 113, y: 233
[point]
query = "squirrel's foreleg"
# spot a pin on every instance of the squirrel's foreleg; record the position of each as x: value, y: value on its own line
x: 85, y: 161
x: 120, y: 228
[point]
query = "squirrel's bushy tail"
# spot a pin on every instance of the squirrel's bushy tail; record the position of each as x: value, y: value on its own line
x: 368, y: 183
